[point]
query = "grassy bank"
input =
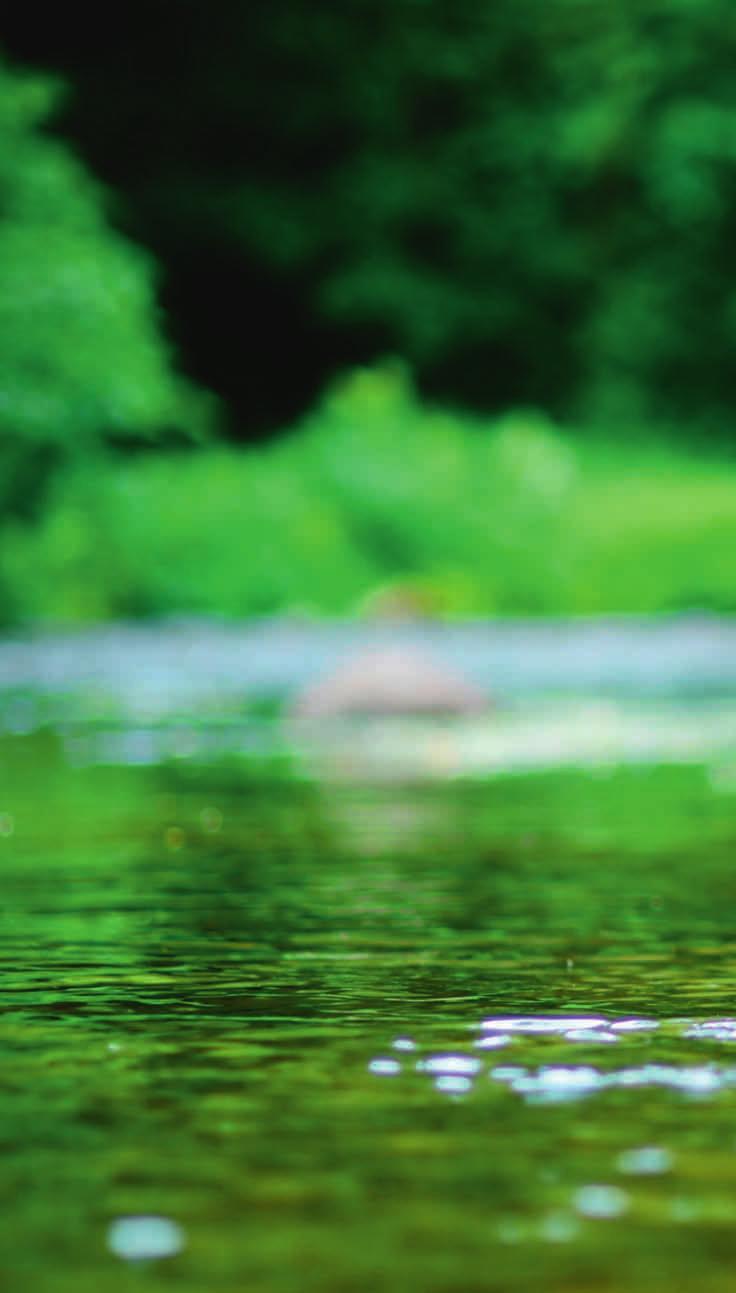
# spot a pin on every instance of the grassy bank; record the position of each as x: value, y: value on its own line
x: 379, y: 501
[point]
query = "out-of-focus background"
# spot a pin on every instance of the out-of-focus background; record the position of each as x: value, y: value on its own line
x: 390, y: 305
x: 368, y: 646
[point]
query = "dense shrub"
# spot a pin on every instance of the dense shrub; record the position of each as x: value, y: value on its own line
x: 380, y: 502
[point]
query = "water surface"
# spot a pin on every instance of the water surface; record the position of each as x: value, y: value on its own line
x: 464, y: 1037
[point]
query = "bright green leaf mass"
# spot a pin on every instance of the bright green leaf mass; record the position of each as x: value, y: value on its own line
x: 81, y: 350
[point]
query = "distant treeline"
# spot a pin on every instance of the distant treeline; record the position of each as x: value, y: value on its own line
x: 381, y: 504
x: 530, y: 201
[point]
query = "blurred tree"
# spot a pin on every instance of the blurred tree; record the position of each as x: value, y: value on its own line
x: 81, y: 354
x: 531, y: 200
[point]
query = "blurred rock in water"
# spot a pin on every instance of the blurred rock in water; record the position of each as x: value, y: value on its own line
x: 390, y: 680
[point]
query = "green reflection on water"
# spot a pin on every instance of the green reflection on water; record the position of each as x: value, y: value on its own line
x: 198, y: 968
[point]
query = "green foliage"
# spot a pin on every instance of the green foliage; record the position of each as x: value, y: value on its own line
x: 530, y: 200
x: 421, y: 490
x: 381, y: 502
x: 81, y: 354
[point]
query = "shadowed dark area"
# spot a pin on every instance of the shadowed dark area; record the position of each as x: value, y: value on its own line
x: 528, y: 202
x: 151, y: 113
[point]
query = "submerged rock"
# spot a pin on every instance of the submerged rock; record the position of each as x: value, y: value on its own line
x: 391, y: 680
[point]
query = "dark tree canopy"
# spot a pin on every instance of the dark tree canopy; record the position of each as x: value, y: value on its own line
x: 531, y: 200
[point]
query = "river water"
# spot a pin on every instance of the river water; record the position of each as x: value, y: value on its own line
x: 585, y: 691
x: 206, y: 668
x: 448, y: 1034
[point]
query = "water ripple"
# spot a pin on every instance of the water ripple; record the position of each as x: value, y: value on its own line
x: 455, y: 1073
